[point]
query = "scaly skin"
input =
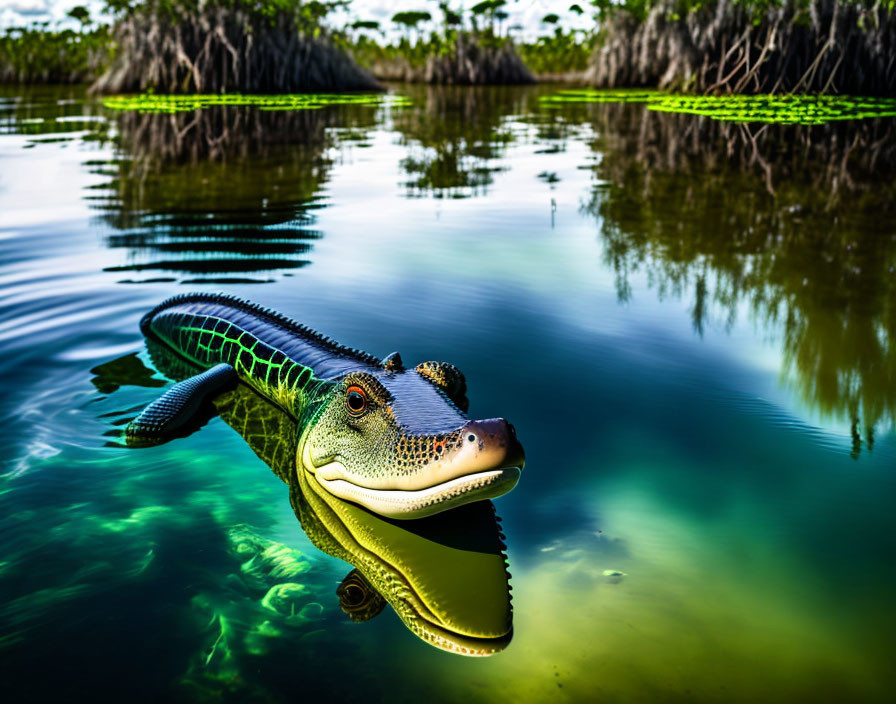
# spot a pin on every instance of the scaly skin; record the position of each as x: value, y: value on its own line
x: 408, y: 451
x: 445, y: 576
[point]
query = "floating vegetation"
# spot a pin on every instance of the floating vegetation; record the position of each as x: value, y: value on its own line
x: 785, y: 109
x: 149, y: 102
x: 588, y: 95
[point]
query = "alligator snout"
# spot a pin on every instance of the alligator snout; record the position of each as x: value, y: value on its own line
x: 482, y: 459
x: 494, y: 441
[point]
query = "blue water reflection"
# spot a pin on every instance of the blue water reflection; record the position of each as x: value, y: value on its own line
x: 558, y: 267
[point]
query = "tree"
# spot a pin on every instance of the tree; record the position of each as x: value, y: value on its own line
x: 366, y: 24
x: 362, y: 25
x: 501, y: 15
x: 80, y: 14
x: 488, y: 8
x: 410, y: 19
x: 451, y: 18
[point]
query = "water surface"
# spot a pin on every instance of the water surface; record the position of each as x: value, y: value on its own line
x: 690, y: 324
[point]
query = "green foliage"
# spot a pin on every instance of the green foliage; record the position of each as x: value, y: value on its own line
x: 449, y: 17
x: 487, y: 7
x: 559, y: 52
x: 411, y: 18
x: 39, y: 54
x: 309, y: 15
x: 440, y: 42
x: 80, y: 14
x: 367, y: 52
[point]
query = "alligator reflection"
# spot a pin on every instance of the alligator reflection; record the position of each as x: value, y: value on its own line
x: 445, y: 576
x: 792, y: 241
x: 219, y: 195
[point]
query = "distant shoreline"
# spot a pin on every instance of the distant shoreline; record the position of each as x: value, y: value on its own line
x: 722, y: 47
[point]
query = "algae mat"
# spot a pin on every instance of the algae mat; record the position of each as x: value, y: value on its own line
x: 149, y: 102
x: 785, y: 109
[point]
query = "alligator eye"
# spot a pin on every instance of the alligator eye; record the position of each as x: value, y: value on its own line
x: 356, y: 400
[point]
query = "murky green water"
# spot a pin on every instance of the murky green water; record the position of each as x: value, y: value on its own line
x: 693, y: 336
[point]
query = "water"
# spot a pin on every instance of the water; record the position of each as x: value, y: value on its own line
x: 700, y: 371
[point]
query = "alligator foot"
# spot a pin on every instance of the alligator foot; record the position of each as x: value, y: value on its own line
x: 180, y: 407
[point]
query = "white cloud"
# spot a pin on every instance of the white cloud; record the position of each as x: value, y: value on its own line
x: 21, y: 12
x: 27, y: 7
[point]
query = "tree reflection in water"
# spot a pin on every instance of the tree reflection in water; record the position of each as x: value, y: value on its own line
x: 219, y: 195
x: 780, y: 218
x: 455, y: 143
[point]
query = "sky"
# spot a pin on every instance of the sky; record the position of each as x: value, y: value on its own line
x: 528, y: 14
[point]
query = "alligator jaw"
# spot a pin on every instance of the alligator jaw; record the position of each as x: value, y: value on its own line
x: 406, y: 504
x: 395, y: 503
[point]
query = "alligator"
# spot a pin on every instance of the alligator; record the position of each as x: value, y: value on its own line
x: 396, y: 441
x: 445, y: 575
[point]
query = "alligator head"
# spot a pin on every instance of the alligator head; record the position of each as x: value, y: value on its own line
x: 397, y: 441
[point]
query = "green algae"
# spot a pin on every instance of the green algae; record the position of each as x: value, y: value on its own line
x: 782, y: 109
x: 152, y: 103
x: 587, y: 95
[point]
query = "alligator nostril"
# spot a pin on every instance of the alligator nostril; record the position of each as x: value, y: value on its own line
x: 511, y: 431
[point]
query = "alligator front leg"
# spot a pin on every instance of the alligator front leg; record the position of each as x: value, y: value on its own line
x: 172, y: 414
